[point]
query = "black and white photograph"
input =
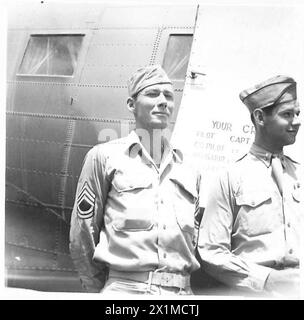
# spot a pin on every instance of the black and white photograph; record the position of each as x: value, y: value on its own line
x: 151, y: 150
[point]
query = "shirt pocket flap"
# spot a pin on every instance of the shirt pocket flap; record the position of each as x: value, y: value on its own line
x: 122, y: 182
x: 252, y: 198
x: 132, y: 224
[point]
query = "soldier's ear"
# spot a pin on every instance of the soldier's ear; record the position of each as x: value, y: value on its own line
x: 131, y: 105
x: 259, y: 117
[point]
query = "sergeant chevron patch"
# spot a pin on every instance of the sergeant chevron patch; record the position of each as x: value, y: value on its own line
x: 86, y: 202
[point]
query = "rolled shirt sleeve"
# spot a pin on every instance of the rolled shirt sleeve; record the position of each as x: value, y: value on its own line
x: 214, y: 243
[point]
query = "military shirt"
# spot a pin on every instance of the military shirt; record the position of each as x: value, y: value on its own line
x: 131, y: 215
x: 248, y: 227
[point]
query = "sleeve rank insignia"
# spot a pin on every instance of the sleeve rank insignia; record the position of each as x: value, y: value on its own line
x: 86, y: 202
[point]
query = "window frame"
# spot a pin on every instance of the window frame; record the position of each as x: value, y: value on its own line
x: 49, y: 34
x: 169, y: 35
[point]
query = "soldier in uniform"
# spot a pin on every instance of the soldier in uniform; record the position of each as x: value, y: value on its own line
x: 249, y: 237
x: 133, y: 227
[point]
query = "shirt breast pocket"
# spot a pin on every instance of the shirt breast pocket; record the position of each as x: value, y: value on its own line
x: 184, y: 205
x: 132, y: 194
x: 256, y: 216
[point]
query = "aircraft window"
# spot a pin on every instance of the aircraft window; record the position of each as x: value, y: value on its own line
x: 51, y: 55
x: 177, y: 55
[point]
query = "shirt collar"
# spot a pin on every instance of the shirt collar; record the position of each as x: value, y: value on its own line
x: 264, y: 155
x: 177, y: 155
x: 131, y: 140
x: 134, y: 147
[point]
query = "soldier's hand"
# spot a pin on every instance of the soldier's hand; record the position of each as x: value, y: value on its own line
x: 284, y: 282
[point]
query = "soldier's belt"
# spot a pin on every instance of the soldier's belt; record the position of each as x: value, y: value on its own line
x: 160, y: 278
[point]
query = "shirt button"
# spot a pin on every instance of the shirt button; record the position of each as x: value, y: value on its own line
x: 165, y: 255
x: 288, y: 224
x: 290, y: 251
x: 164, y: 227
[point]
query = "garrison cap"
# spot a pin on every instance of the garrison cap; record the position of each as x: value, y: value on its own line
x: 275, y: 90
x: 145, y: 77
